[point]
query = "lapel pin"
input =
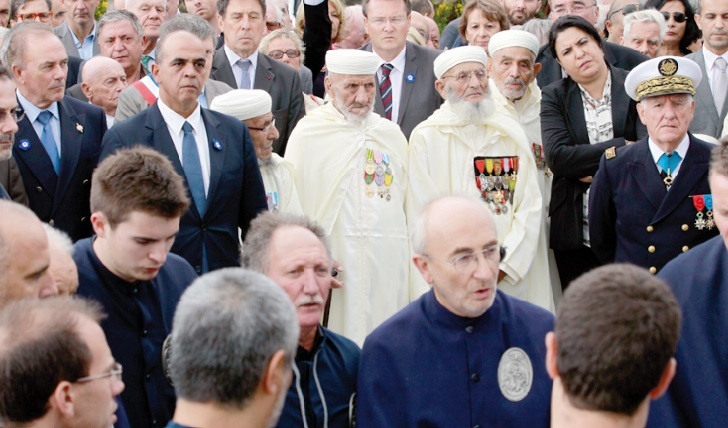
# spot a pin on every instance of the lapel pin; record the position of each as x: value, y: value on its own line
x: 24, y: 145
x: 216, y: 144
x: 410, y: 78
x: 79, y: 128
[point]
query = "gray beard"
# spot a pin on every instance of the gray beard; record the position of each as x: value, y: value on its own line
x: 265, y: 163
x: 470, y: 112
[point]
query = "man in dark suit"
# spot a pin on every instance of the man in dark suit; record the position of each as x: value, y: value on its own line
x: 11, y: 184
x: 239, y: 64
x: 647, y: 199
x: 711, y: 104
x: 214, y: 152
x: 79, y: 33
x: 616, y: 55
x: 58, y: 140
x: 405, y: 76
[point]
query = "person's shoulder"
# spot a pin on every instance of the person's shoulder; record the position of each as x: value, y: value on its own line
x: 543, y: 53
x: 177, y: 267
x: 230, y: 123
x: 688, y: 273
x: 702, y: 145
x: 525, y: 313
x: 81, y: 250
x: 345, y: 346
x: 409, y: 318
x: 626, y: 58
x: 422, y: 51
x: 82, y: 107
x: 557, y: 89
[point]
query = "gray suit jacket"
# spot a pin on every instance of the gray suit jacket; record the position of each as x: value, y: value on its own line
x: 131, y: 102
x: 707, y: 120
x: 419, y: 97
x: 280, y: 81
x: 306, y: 83
x: 64, y: 33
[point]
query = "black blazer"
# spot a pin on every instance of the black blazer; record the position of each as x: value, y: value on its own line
x: 62, y: 201
x: 281, y: 81
x: 616, y: 56
x: 235, y: 195
x: 569, y: 154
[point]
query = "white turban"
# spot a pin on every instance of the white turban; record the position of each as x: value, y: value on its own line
x: 243, y: 104
x: 351, y: 61
x: 513, y: 38
x: 452, y: 57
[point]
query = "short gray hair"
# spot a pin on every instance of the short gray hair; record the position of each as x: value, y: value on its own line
x: 648, y: 15
x: 17, y: 4
x: 228, y: 325
x: 188, y: 22
x: 118, y: 16
x: 14, y: 42
x: 58, y: 239
x: 254, y: 253
x: 282, y: 33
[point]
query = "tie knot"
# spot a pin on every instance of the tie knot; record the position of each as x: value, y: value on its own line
x: 669, y: 161
x: 186, y: 127
x: 721, y: 63
x: 44, y: 117
x: 386, y: 69
x: 244, y: 64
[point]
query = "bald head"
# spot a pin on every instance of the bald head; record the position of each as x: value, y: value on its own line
x: 24, y: 257
x: 103, y: 81
x: 434, y: 32
x: 419, y: 23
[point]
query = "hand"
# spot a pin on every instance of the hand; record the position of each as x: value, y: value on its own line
x: 335, y: 283
x: 586, y: 179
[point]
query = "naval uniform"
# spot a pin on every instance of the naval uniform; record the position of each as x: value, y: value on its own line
x: 634, y: 218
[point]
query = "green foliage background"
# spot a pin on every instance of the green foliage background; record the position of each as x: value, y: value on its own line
x: 101, y: 9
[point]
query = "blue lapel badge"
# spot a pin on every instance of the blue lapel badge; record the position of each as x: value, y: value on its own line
x: 216, y: 145
x: 24, y: 145
x: 410, y: 78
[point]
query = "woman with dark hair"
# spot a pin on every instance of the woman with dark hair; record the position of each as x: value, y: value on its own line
x: 582, y: 116
x: 682, y: 30
x: 480, y: 20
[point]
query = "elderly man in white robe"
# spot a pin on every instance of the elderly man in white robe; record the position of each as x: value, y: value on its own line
x: 512, y: 68
x: 253, y: 107
x: 468, y: 146
x: 351, y: 174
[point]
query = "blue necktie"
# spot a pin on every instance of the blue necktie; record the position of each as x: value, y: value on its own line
x: 245, y: 79
x: 193, y: 168
x: 669, y: 162
x: 49, y: 143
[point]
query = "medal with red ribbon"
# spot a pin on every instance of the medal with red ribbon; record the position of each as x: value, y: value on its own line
x: 699, y: 204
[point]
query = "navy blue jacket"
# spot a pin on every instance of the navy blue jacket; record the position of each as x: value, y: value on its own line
x: 139, y: 318
x: 632, y: 218
x: 427, y: 367
x: 235, y: 196
x: 698, y: 395
x: 324, y: 381
x: 62, y: 201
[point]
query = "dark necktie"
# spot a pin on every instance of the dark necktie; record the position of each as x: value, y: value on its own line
x: 193, y: 168
x: 385, y: 89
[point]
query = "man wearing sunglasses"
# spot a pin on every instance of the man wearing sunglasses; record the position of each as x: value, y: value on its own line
x: 615, y: 16
x: 56, y: 350
x: 464, y: 354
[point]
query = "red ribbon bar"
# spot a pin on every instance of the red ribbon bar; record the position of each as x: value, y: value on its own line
x: 699, y: 202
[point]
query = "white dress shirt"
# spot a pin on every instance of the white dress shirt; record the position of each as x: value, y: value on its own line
x: 237, y: 70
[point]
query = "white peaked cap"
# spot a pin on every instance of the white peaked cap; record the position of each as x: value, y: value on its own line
x: 452, y: 57
x: 513, y: 39
x: 351, y: 61
x: 243, y: 104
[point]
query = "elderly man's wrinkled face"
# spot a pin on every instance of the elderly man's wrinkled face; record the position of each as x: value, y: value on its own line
x: 353, y: 95
x: 8, y: 125
x: 667, y: 117
x: 643, y: 37
x: 104, y: 87
x: 243, y: 25
x: 587, y: 9
x: 263, y: 132
x: 151, y: 14
x: 513, y: 69
x: 464, y: 82
x: 63, y: 270
x: 298, y: 262
x: 120, y: 41
x: 462, y: 256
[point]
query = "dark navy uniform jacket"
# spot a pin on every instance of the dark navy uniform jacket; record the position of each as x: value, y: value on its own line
x: 139, y: 319
x: 427, y: 367
x: 633, y: 218
x: 698, y: 395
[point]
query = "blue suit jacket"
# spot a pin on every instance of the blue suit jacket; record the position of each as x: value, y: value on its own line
x: 631, y: 213
x: 62, y: 201
x: 235, y: 196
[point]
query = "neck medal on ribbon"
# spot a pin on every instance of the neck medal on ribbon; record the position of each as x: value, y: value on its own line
x: 495, y: 179
x: 378, y: 175
x: 709, y: 223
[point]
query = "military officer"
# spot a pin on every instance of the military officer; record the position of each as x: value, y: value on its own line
x: 651, y: 200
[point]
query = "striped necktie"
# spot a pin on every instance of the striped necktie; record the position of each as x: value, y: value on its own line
x: 385, y: 89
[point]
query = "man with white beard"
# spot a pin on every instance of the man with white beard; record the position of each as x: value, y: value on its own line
x: 253, y: 107
x: 350, y: 172
x: 468, y: 147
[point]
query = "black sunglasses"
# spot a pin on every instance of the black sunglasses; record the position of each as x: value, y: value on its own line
x: 626, y: 10
x: 679, y: 17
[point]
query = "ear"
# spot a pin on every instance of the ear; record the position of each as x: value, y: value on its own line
x: 327, y: 86
x: 621, y: 40
x: 551, y: 367
x: 641, y: 112
x: 667, y: 375
x: 276, y: 377
x: 99, y: 223
x: 62, y: 398
x: 698, y: 20
x: 86, y: 89
x: 423, y: 265
x: 537, y: 69
x: 220, y: 20
x: 18, y: 74
x: 608, y: 24
x: 440, y: 87
x: 155, y: 71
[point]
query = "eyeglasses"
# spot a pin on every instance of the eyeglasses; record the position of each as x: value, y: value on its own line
x: 264, y: 129
x: 395, y: 21
x: 464, y: 76
x: 679, y: 17
x: 626, y: 10
x: 467, y: 263
x: 577, y: 8
x: 41, y: 16
x: 116, y: 372
x: 292, y: 53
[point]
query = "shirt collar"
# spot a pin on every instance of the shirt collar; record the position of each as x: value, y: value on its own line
x: 233, y: 57
x: 90, y: 37
x: 398, y: 62
x: 710, y: 58
x: 682, y: 148
x: 32, y: 111
x: 175, y: 120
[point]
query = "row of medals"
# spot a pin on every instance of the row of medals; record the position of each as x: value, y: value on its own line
x: 700, y: 202
x: 377, y: 171
x: 497, y: 190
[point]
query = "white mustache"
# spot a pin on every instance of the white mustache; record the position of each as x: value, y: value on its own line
x: 306, y: 300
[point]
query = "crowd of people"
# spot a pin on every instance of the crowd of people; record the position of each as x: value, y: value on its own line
x: 315, y: 213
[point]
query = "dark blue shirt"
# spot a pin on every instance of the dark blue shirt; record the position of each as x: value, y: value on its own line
x: 139, y: 319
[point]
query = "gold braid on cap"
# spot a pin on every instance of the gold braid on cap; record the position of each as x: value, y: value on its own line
x: 665, y: 85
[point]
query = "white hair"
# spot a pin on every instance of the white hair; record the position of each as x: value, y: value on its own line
x: 648, y: 15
